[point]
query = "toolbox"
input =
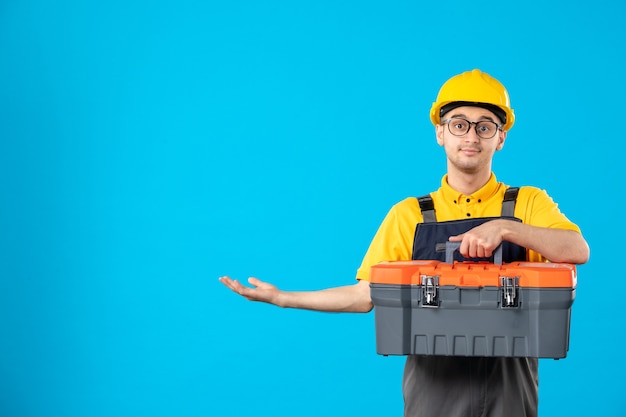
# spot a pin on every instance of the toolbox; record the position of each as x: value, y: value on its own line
x: 428, y: 307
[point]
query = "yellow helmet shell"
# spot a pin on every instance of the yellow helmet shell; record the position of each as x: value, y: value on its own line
x: 473, y: 87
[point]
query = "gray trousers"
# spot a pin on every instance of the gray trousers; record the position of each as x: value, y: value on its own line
x: 452, y: 386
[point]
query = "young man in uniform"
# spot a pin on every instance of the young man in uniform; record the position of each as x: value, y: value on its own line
x: 472, y: 115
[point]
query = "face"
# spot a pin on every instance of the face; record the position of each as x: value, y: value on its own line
x: 469, y: 153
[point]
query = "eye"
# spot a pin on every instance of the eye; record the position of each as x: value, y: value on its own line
x: 484, y: 127
x: 458, y: 125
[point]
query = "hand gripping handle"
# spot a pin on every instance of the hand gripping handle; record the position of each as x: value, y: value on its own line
x: 452, y: 247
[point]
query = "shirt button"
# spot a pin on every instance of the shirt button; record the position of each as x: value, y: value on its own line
x: 469, y: 215
x: 468, y: 200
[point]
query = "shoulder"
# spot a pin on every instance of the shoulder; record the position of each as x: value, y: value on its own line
x: 407, y: 210
x: 408, y: 205
x: 529, y: 194
x: 537, y: 208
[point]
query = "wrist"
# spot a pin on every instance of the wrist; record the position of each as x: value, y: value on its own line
x: 507, y: 229
x: 281, y: 299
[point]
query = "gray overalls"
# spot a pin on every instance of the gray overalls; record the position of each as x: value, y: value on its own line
x: 456, y: 386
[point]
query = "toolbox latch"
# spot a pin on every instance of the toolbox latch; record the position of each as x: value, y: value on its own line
x: 510, y: 292
x: 430, y: 284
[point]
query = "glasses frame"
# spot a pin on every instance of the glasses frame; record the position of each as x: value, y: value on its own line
x: 469, y: 126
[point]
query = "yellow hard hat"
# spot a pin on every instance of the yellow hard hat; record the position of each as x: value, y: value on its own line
x: 474, y: 88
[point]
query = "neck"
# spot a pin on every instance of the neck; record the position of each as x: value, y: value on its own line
x: 468, y: 183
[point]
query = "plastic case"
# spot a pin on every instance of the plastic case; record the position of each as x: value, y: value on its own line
x: 519, y: 309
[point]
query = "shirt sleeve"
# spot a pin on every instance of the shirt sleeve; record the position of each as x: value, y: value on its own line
x: 542, y: 211
x: 394, y: 239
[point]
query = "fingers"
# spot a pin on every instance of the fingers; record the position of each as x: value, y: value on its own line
x: 473, y: 247
x: 479, y: 251
x: 259, y: 290
x: 253, y: 293
x: 230, y: 283
x: 457, y: 238
x: 476, y: 249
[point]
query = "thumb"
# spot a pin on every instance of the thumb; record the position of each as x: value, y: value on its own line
x: 255, y: 281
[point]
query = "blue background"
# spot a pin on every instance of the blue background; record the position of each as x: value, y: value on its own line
x: 148, y: 148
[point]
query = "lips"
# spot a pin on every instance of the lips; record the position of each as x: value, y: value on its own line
x: 470, y: 150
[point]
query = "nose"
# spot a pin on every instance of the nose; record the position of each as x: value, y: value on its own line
x: 471, y: 135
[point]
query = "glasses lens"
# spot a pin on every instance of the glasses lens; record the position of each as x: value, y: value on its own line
x: 458, y: 127
x: 486, y: 130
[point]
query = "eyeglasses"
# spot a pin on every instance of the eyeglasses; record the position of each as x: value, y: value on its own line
x: 484, y: 129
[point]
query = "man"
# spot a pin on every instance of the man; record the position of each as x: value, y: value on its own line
x: 472, y: 116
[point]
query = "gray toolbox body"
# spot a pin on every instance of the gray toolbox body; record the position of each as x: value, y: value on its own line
x: 520, y: 309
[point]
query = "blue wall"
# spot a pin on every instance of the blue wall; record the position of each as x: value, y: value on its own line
x: 146, y: 148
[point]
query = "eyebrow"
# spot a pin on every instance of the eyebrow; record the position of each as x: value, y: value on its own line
x: 461, y: 115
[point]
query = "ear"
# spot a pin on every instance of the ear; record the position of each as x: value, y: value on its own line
x: 501, y: 140
x: 439, y: 134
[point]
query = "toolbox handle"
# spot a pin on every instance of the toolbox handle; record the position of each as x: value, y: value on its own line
x: 452, y: 247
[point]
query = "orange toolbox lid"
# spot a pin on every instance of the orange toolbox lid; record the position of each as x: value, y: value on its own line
x: 475, y: 274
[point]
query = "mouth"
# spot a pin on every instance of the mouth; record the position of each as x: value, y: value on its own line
x: 470, y: 151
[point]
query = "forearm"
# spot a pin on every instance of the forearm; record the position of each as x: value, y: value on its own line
x: 351, y: 298
x: 557, y: 245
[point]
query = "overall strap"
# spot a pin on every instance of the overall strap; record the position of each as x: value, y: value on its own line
x: 428, y: 208
x: 508, y: 204
x: 431, y: 234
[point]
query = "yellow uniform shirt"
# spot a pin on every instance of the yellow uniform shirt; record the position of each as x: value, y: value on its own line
x: 394, y: 239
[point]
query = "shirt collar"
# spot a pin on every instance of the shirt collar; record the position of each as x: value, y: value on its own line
x: 486, y: 191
